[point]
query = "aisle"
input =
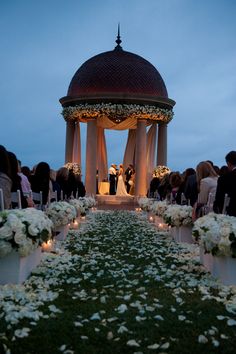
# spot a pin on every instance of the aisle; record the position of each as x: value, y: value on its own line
x: 118, y: 286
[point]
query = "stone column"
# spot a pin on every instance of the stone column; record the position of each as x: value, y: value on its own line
x: 70, y: 131
x: 162, y: 145
x: 76, y: 157
x: 91, y: 157
x: 140, y: 159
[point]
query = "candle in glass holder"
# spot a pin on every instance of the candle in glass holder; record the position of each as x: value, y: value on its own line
x: 75, y: 224
x: 151, y: 219
x: 47, y: 246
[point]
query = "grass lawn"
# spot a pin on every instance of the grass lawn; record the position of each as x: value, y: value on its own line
x: 118, y: 286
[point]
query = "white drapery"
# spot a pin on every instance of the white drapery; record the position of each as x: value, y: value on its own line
x: 129, y: 156
x: 151, y: 151
x: 101, y: 155
x: 76, y: 154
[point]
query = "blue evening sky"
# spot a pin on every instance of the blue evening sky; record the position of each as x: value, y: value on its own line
x: 191, y: 43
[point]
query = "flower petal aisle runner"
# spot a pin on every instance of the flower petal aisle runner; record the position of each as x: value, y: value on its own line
x: 22, y: 231
x: 217, y: 236
x: 117, y: 285
x: 179, y: 217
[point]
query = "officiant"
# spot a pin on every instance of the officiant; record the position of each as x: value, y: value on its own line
x: 112, y: 179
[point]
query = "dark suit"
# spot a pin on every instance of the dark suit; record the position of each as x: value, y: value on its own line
x: 226, y: 185
x: 128, y: 174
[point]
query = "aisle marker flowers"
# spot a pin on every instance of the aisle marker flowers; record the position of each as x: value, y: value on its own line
x: 23, y: 230
x: 178, y: 215
x: 217, y: 234
x: 61, y: 213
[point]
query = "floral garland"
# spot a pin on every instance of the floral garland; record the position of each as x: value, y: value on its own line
x: 75, y: 167
x: 160, y: 171
x: 23, y: 230
x: 112, y: 111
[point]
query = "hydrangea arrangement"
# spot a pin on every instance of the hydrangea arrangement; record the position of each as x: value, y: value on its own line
x: 159, y: 207
x: 145, y: 203
x: 217, y: 234
x: 83, y: 204
x: 23, y: 230
x: 61, y: 213
x: 178, y: 215
x: 160, y: 171
x: 79, y: 206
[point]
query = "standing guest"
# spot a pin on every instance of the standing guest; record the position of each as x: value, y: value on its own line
x: 128, y: 173
x: 223, y: 170
x: 62, y: 180
x: 75, y: 185
x: 16, y: 181
x: 112, y: 179
x: 190, y: 186
x: 40, y: 180
x: 176, y: 187
x: 54, y: 185
x: 26, y: 171
x: 207, y: 182
x: 5, y: 180
x: 132, y: 183
x: 227, y: 185
x: 25, y: 184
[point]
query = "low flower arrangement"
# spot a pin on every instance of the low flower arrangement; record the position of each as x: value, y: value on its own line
x: 61, y: 213
x: 145, y: 203
x: 178, y: 215
x: 158, y: 208
x: 23, y: 230
x: 217, y: 234
x: 88, y: 202
x: 79, y: 206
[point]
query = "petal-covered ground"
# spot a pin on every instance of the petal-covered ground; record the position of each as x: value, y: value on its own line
x: 118, y: 286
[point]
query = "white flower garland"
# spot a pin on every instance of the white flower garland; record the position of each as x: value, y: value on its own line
x: 85, y: 111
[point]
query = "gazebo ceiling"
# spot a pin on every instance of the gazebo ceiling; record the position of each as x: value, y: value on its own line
x: 117, y: 76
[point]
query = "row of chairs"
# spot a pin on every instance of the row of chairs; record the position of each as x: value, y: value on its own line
x: 36, y: 197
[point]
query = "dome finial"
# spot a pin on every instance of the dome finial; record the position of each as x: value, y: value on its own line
x: 118, y: 40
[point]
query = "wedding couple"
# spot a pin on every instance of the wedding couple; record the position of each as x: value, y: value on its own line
x: 117, y: 176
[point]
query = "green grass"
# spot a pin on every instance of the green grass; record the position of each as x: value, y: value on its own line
x: 122, y: 259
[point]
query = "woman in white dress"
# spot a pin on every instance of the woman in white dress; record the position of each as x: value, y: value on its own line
x: 121, y: 189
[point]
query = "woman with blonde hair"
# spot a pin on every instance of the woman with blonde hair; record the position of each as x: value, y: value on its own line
x: 207, y: 183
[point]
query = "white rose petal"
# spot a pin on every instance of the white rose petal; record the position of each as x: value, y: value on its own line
x: 202, y: 339
x: 153, y: 346
x: 132, y: 343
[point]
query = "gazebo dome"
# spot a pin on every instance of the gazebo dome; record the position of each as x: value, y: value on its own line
x: 117, y: 76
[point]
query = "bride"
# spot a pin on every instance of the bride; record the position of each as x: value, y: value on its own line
x: 121, y: 190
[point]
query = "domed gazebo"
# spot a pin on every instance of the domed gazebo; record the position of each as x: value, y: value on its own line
x: 117, y: 90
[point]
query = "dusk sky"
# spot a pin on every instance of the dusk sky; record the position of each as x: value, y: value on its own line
x: 191, y: 43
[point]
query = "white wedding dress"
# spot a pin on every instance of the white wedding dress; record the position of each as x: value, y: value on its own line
x: 121, y: 190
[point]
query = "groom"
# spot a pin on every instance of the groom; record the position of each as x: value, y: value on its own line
x: 112, y: 179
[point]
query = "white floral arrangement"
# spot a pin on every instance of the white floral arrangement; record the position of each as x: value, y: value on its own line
x: 160, y: 171
x: 159, y: 207
x: 216, y: 234
x: 178, y: 215
x: 23, y: 230
x: 84, y: 111
x: 145, y: 203
x: 83, y: 204
x: 61, y: 213
x: 79, y: 206
x: 75, y: 167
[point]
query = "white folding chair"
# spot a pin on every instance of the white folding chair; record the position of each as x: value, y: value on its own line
x: 226, y: 204
x: 210, y: 202
x: 16, y: 198
x: 52, y: 196
x: 37, y: 199
x: 1, y: 200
